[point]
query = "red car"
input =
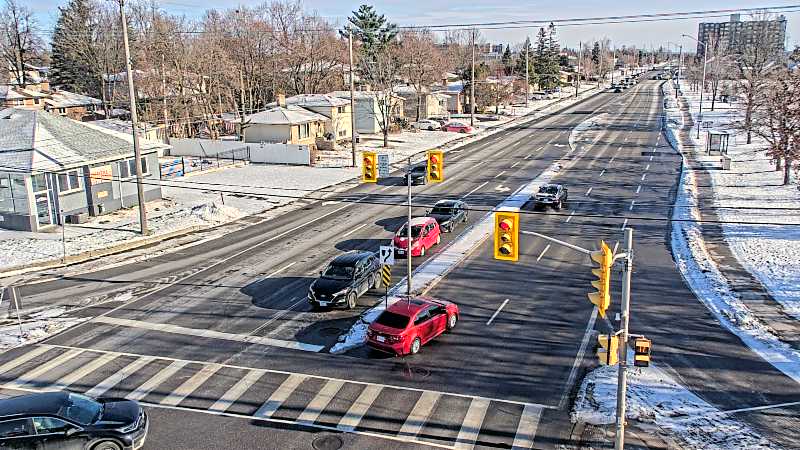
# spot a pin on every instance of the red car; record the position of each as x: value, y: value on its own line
x: 458, y: 127
x: 425, y: 233
x: 408, y: 324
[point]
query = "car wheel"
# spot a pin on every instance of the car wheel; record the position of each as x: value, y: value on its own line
x: 557, y: 206
x: 463, y: 130
x: 351, y: 300
x: 422, y: 251
x: 431, y: 129
x: 438, y: 239
x: 451, y: 322
x: 376, y: 281
x: 415, y: 346
x: 107, y: 445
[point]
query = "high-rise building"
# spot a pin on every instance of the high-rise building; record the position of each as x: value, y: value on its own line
x: 736, y: 35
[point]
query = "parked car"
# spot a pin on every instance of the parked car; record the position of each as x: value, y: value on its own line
x: 449, y: 213
x: 404, y: 327
x: 425, y: 233
x: 345, y: 279
x: 440, y: 119
x: 554, y: 195
x: 426, y: 124
x: 66, y: 420
x: 458, y: 127
x: 419, y: 175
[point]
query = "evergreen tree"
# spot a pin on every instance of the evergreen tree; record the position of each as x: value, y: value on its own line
x: 507, y: 61
x: 541, y: 44
x: 596, y: 53
x: 70, y: 69
x: 370, y: 28
x: 527, y: 50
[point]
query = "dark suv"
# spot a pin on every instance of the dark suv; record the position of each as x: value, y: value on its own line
x: 346, y: 278
x: 419, y: 175
x: 554, y: 195
x: 66, y: 420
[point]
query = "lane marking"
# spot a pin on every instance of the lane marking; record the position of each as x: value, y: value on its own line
x: 515, y: 164
x: 280, y: 395
x: 579, y: 357
x: 526, y: 429
x: 419, y: 415
x: 320, y: 402
x: 471, y: 426
x: 278, y: 315
x: 237, y: 390
x: 543, y: 252
x: 651, y: 156
x: 154, y: 381
x: 472, y: 191
x: 184, y: 390
x: 22, y: 359
x: 602, y: 172
x: 643, y: 176
x: 103, y: 386
x: 357, y: 410
x: 624, y: 224
x: 570, y: 216
x: 647, y: 168
x: 32, y: 377
x: 529, y: 156
x: 612, y: 159
x: 211, y: 334
x: 354, y: 230
x: 639, y: 189
x: 589, y: 191
x: 516, y: 143
x: 633, y: 202
x: 281, y: 269
x: 500, y: 174
x: 491, y: 319
x: 82, y: 372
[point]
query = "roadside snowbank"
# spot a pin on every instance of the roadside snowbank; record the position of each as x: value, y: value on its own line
x: 38, y: 327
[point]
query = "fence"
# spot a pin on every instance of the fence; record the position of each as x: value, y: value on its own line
x: 182, y: 165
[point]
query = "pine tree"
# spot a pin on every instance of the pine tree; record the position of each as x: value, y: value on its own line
x: 370, y: 28
x: 527, y: 50
x: 69, y: 69
x: 596, y: 53
x: 507, y: 61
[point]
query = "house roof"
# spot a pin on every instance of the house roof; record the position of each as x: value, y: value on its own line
x: 315, y: 100
x: 288, y: 115
x: 16, y: 93
x: 360, y: 94
x: 34, y: 141
x: 66, y: 99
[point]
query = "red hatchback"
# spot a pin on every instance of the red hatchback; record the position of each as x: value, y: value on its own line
x: 458, y: 127
x: 408, y: 324
x: 425, y: 233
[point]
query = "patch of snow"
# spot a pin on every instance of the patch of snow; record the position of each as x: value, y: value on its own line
x: 35, y: 330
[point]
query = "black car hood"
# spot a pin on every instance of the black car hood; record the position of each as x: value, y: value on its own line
x: 441, y: 218
x: 118, y: 412
x: 329, y: 286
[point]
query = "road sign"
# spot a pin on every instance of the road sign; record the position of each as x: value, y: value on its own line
x: 708, y: 124
x: 387, y: 255
x: 386, y: 275
x: 383, y: 165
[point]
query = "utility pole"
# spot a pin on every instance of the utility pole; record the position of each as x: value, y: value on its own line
x: 622, y: 379
x: 680, y: 63
x: 164, y: 98
x: 137, y: 154
x: 471, y: 88
x: 613, y: 64
x: 578, y: 80
x: 408, y: 232
x: 601, y: 76
x: 527, y: 86
x: 352, y: 97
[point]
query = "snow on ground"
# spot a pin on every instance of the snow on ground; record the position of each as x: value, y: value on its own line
x: 768, y: 252
x: 656, y: 398
x: 37, y: 327
x: 711, y: 287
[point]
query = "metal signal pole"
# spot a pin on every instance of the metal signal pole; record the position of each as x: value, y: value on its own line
x: 137, y: 154
x: 578, y: 81
x: 408, y: 233
x: 471, y: 84
x: 622, y: 377
x: 352, y: 98
x: 527, y: 86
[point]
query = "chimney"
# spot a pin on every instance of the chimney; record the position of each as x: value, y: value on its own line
x: 282, y: 100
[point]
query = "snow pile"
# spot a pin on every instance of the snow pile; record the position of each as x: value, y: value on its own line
x: 215, y: 213
x: 40, y: 326
x: 655, y: 397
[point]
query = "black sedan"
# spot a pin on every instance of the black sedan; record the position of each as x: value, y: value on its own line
x: 346, y: 278
x: 449, y: 213
x: 67, y: 420
x: 419, y: 175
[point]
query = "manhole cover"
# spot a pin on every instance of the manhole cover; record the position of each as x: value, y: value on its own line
x: 330, y: 331
x: 421, y: 372
x: 327, y: 443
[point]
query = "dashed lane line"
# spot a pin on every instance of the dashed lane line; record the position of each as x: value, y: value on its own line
x: 473, y: 191
x: 491, y: 319
x: 589, y: 191
x: 543, y: 252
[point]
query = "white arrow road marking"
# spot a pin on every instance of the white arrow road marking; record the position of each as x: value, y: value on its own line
x: 502, y: 188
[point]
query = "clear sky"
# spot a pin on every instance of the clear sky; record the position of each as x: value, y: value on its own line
x: 430, y: 12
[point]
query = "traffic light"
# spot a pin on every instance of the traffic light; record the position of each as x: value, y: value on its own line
x: 369, y: 167
x: 641, y: 356
x: 506, y: 236
x: 608, y: 353
x: 602, y: 298
x: 435, y: 166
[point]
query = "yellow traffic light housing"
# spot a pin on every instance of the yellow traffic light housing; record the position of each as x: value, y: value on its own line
x: 608, y: 352
x: 506, y: 236
x: 435, y: 166
x: 602, y: 298
x: 369, y: 167
x: 641, y: 356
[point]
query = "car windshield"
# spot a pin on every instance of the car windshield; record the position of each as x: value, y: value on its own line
x: 339, y: 272
x: 443, y: 210
x: 418, y: 169
x: 392, y: 320
x: 415, y: 230
x: 81, y: 409
x: 548, y: 190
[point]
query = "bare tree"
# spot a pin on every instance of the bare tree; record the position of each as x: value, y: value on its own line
x: 19, y: 42
x: 776, y: 119
x: 423, y: 62
x: 718, y: 67
x: 382, y: 71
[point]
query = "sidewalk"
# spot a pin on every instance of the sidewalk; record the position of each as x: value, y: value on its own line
x: 742, y: 282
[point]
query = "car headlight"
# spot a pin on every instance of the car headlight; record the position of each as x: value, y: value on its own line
x: 342, y: 292
x: 311, y: 292
x: 129, y: 428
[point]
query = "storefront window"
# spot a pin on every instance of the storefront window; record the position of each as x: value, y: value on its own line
x: 13, y: 195
x: 39, y: 182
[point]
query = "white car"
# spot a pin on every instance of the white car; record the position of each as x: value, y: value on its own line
x: 427, y: 124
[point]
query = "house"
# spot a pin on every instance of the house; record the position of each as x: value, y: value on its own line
x: 288, y: 124
x: 368, y: 109
x: 16, y: 96
x: 339, y: 126
x: 430, y: 104
x: 156, y: 133
x: 52, y: 167
x: 75, y: 106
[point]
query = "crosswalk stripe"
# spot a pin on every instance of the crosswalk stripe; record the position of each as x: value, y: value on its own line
x: 142, y: 391
x: 526, y: 430
x: 22, y: 359
x: 419, y: 415
x: 84, y: 371
x: 357, y: 410
x: 471, y: 426
x: 118, y: 376
x: 189, y: 386
x: 236, y: 391
x: 280, y: 395
x: 320, y: 401
x: 31, y: 377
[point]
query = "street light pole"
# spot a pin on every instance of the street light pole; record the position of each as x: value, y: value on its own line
x: 622, y: 376
x: 472, y: 83
x: 408, y: 233
x: 527, y: 86
x: 352, y: 98
x: 703, y: 83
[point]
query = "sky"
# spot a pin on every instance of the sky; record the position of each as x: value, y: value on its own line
x: 432, y: 12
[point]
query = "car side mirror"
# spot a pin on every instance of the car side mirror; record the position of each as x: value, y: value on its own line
x: 72, y: 432
x: 320, y: 272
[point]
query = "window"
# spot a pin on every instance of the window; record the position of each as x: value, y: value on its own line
x: 305, y: 130
x: 39, y: 182
x: 49, y: 425
x: 123, y: 169
x: 422, y: 317
x: 392, y: 320
x: 81, y: 409
x: 69, y: 181
x: 144, y: 166
x: 127, y: 168
x: 15, y: 428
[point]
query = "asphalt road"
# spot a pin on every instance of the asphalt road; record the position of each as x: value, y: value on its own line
x: 223, y: 327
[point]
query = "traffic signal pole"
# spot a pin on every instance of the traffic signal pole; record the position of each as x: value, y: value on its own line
x: 622, y: 377
x: 408, y: 233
